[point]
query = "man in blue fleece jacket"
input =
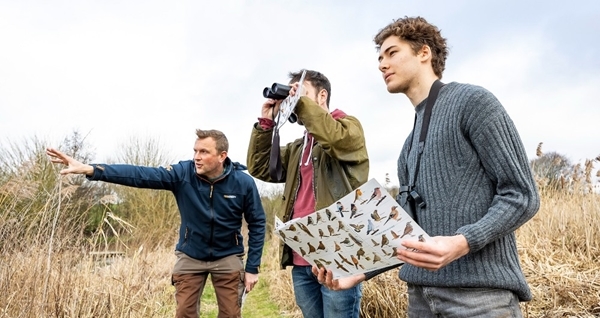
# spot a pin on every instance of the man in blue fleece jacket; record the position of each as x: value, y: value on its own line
x: 213, y: 194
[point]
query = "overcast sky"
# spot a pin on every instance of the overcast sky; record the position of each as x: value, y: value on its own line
x: 160, y: 69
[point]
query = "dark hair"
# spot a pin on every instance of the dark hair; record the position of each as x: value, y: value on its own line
x: 418, y: 32
x: 218, y: 136
x: 317, y: 79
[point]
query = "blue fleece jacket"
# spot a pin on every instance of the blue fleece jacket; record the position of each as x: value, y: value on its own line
x: 211, y: 211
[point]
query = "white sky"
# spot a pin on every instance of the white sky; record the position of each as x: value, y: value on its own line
x: 161, y: 69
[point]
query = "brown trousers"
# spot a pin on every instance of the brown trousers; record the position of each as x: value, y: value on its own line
x: 189, y: 278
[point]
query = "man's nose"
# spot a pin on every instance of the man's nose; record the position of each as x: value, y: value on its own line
x: 383, y: 66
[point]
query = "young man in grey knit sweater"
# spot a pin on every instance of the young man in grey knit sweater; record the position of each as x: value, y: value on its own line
x: 474, y: 178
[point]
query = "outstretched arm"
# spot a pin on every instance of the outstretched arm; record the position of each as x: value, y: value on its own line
x: 73, y: 166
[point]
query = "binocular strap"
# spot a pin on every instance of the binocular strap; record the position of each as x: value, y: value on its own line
x: 275, y: 169
x: 431, y: 98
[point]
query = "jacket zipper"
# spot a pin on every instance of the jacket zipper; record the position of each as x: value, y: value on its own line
x: 212, y: 220
x: 212, y: 213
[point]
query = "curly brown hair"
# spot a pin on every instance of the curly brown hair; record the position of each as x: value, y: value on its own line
x: 418, y: 32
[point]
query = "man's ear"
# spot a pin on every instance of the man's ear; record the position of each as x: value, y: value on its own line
x: 222, y: 156
x: 425, y: 53
x: 322, y: 97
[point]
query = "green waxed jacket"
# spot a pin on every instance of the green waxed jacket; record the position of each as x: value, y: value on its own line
x: 340, y: 159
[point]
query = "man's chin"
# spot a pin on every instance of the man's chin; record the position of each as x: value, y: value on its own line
x: 393, y: 89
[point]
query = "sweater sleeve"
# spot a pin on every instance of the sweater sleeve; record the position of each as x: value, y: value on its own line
x: 503, y: 157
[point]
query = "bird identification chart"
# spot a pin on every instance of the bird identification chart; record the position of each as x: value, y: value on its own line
x: 359, y: 233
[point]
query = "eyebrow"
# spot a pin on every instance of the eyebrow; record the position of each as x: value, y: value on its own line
x: 385, y: 51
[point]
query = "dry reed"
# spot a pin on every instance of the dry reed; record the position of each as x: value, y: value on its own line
x: 59, y: 277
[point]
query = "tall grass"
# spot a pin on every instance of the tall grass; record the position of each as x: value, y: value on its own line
x: 52, y: 228
x: 559, y: 251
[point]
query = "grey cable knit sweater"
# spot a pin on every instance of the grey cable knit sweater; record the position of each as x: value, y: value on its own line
x: 476, y: 180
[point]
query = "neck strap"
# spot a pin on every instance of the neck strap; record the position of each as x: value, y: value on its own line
x: 433, y: 94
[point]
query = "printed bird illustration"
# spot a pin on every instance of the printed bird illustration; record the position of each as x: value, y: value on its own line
x: 394, y: 214
x: 385, y: 253
x: 394, y: 251
x: 340, y: 208
x: 360, y: 253
x: 321, y: 246
x: 330, y: 230
x: 302, y: 251
x: 376, y: 194
x: 394, y: 235
x: 341, y: 226
x: 384, y: 240
x: 357, y: 227
x: 305, y: 229
x: 292, y: 227
x: 353, y: 210
x: 319, y: 264
x: 296, y: 238
x: 370, y: 226
x: 319, y: 219
x: 381, y: 200
x: 375, y: 216
x: 310, y: 220
x: 358, y: 196
x: 330, y: 215
x: 376, y: 258
x: 322, y: 234
x: 357, y: 241
x: 421, y: 238
x: 340, y: 266
x: 354, y: 261
x: 375, y: 243
x: 345, y: 260
x: 407, y: 229
x: 282, y: 235
x: 346, y: 241
x: 337, y: 247
x: 311, y: 249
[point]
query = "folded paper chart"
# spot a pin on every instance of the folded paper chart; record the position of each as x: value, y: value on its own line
x: 359, y: 233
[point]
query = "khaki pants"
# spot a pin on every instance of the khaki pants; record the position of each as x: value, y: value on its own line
x: 189, y: 278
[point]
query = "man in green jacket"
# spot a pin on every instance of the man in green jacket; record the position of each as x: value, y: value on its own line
x: 326, y: 164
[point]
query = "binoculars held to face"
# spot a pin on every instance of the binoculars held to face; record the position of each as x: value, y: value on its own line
x: 279, y: 92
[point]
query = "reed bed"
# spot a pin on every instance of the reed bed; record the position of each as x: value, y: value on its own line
x: 72, y: 248
x: 559, y: 251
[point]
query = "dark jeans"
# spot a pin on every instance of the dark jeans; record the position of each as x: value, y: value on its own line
x: 317, y: 301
